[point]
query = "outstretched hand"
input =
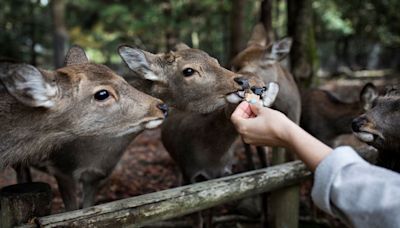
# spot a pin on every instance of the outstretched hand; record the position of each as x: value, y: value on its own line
x: 263, y: 126
x: 260, y: 125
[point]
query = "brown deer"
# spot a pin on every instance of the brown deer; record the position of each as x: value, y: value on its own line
x: 201, y: 92
x: 326, y: 117
x: 199, y: 141
x: 379, y: 127
x: 89, y: 160
x: 263, y: 60
x: 43, y: 109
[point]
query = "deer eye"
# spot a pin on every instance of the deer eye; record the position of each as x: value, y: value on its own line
x: 101, y: 95
x: 187, y: 72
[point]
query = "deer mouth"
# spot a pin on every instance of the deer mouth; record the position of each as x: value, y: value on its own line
x: 146, y: 124
x: 235, y: 97
x: 267, y: 94
x: 365, y: 136
x: 153, y: 123
x: 368, y: 136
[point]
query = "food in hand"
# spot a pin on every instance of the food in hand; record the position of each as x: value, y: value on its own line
x: 251, y: 98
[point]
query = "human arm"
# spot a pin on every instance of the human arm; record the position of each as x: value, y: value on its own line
x: 345, y: 185
x: 267, y: 127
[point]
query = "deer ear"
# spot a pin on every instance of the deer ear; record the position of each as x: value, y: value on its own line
x: 279, y: 49
x: 28, y: 85
x: 139, y: 62
x: 367, y: 95
x: 181, y: 46
x: 75, y: 55
x: 258, y: 36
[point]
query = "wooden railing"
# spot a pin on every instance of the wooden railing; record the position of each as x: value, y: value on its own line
x: 146, y: 209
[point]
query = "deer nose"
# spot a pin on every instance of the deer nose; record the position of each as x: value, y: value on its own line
x: 164, y: 108
x: 244, y: 83
x: 357, y: 123
x: 258, y: 90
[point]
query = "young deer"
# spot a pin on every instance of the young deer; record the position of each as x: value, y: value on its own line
x: 44, y: 109
x: 263, y: 60
x: 326, y: 117
x: 201, y: 92
x: 198, y: 133
x: 379, y: 127
x: 89, y: 159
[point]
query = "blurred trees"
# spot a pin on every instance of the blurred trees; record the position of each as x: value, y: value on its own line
x: 60, y: 33
x: 301, y: 29
x: 352, y: 34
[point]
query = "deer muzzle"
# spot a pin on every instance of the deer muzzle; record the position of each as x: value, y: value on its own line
x: 269, y: 95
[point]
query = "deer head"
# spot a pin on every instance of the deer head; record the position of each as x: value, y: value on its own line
x: 80, y: 99
x: 379, y: 125
x: 188, y: 79
x: 264, y: 60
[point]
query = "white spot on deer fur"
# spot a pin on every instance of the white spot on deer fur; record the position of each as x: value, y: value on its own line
x: 153, y: 124
x: 149, y: 75
x: 364, y: 136
x: 130, y: 130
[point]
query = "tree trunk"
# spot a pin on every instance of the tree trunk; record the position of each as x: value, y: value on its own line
x: 60, y: 35
x: 266, y: 19
x: 303, y: 57
x: 32, y: 6
x: 171, y: 36
x: 237, y: 19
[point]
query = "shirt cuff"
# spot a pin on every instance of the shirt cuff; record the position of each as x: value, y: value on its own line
x: 326, y: 173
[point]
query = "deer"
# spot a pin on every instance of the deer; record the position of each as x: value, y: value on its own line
x: 163, y: 75
x: 378, y: 127
x: 326, y: 117
x: 88, y: 160
x: 266, y: 61
x: 199, y: 141
x: 42, y: 109
x: 201, y: 93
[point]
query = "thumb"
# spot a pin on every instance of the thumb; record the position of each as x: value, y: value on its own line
x: 256, y: 108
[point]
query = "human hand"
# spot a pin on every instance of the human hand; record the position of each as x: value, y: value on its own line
x: 261, y: 126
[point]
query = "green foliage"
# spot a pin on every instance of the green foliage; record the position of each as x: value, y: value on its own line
x: 23, y: 23
x: 371, y: 19
x: 332, y: 19
x: 100, y: 26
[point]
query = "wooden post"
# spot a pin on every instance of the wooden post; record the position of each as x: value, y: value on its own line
x: 21, y: 202
x: 284, y: 203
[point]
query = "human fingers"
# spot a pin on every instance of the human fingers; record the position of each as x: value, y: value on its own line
x: 242, y: 111
x: 255, y: 108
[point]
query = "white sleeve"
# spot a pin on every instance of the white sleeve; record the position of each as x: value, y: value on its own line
x: 361, y: 194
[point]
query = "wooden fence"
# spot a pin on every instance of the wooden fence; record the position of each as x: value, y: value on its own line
x: 146, y: 209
